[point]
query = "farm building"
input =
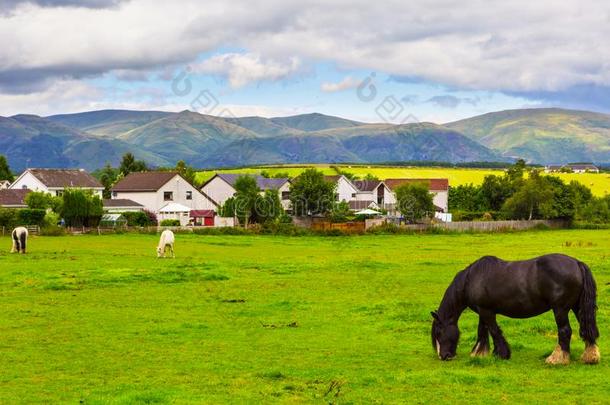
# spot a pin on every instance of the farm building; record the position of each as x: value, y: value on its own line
x: 13, y: 198
x: 167, y: 194
x: 121, y: 205
x: 221, y: 187
x: 55, y: 181
x: 574, y: 168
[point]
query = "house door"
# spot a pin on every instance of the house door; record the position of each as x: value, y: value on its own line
x: 208, y: 221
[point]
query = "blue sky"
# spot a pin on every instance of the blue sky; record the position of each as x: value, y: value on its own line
x: 438, y: 60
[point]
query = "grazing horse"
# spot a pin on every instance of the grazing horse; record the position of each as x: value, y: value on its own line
x: 521, y: 289
x: 166, y: 241
x: 20, y: 238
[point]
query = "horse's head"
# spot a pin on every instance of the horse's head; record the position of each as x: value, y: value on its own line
x: 159, y: 252
x: 445, y: 336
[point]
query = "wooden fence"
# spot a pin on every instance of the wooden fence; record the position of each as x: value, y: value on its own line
x: 347, y: 227
x: 491, y: 226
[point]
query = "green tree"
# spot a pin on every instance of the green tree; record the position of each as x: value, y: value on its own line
x: 246, y: 195
x: 188, y: 172
x: 495, y: 190
x: 5, y: 170
x: 108, y: 177
x: 311, y: 194
x: 42, y: 200
x: 268, y: 207
x: 370, y: 177
x: 414, y: 201
x: 129, y: 164
x: 515, y: 172
x: 534, y: 199
x: 81, y: 208
x: 340, y: 212
x: 466, y: 197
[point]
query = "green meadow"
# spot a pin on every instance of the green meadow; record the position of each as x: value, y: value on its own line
x: 269, y: 319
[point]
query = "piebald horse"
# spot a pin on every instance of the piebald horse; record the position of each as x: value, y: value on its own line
x: 520, y: 289
x: 166, y: 241
x: 20, y: 239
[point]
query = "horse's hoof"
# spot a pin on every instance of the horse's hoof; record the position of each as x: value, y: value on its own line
x: 591, y: 355
x: 558, y: 357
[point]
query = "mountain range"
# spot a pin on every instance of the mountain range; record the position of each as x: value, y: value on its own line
x: 91, y: 139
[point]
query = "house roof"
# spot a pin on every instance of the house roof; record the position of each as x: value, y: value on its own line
x: 202, y: 213
x: 263, y: 183
x: 13, y: 197
x: 120, y: 203
x: 144, y: 181
x: 333, y: 179
x: 433, y: 184
x: 57, y: 178
x: 366, y: 185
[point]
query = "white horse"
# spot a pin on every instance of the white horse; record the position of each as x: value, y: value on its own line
x: 167, y: 240
x: 20, y: 238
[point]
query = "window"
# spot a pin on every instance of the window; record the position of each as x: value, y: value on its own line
x: 168, y: 196
x: 285, y: 195
x: 59, y: 193
x: 189, y: 195
x: 353, y: 195
x: 115, y: 194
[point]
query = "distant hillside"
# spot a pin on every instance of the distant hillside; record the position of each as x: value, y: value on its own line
x: 91, y: 139
x: 29, y: 140
x: 542, y: 135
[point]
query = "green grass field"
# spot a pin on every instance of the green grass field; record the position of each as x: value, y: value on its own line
x: 263, y: 319
x: 598, y: 183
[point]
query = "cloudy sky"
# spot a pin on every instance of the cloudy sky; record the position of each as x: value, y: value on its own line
x: 383, y: 60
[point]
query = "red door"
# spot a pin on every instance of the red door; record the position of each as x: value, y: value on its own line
x: 208, y: 221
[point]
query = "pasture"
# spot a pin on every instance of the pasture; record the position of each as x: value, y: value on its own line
x: 598, y: 183
x: 267, y: 319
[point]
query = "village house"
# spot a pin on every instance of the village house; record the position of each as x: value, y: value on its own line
x: 374, y: 191
x: 55, y: 181
x: 167, y: 194
x: 438, y: 187
x: 13, y: 198
x: 221, y: 187
x: 345, y: 190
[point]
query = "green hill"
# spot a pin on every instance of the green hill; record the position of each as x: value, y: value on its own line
x: 542, y: 135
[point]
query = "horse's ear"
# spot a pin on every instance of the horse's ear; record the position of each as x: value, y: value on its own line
x: 434, y: 315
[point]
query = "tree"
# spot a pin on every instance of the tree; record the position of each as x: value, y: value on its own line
x: 108, y: 177
x: 370, y: 177
x: 340, y: 212
x: 515, y: 172
x: 129, y: 164
x: 534, y: 199
x: 414, y: 201
x: 495, y: 190
x: 5, y: 170
x: 466, y: 197
x: 246, y: 194
x: 81, y: 208
x: 187, y: 172
x: 43, y: 201
x: 268, y: 207
x: 311, y: 194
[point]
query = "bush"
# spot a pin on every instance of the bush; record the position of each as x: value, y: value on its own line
x: 8, y: 218
x: 28, y: 216
x: 170, y: 222
x: 138, y: 218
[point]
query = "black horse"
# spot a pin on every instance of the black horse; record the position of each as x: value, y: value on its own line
x: 520, y: 289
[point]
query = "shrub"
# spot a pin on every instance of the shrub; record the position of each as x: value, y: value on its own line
x: 8, y: 218
x: 170, y: 222
x: 52, y: 230
x: 138, y: 218
x: 29, y: 216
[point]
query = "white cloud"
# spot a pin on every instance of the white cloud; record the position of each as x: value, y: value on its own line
x: 242, y: 69
x: 478, y: 44
x: 345, y: 84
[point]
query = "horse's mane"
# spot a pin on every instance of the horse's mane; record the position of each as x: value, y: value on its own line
x: 453, y: 300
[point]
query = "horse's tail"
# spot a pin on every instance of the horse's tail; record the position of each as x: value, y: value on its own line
x: 15, y: 241
x: 587, y: 306
x: 24, y: 239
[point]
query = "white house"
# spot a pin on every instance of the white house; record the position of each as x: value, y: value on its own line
x: 167, y: 194
x: 55, y: 181
x: 221, y: 187
x: 438, y: 187
x: 345, y: 189
x: 374, y: 191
